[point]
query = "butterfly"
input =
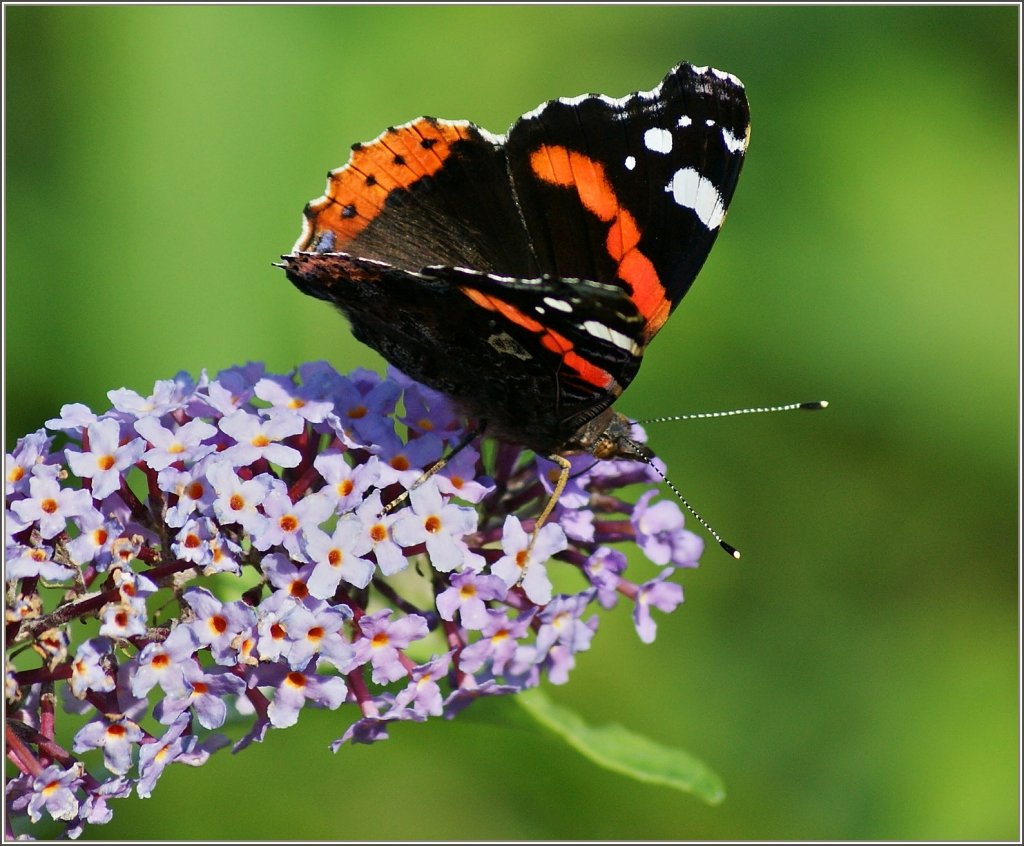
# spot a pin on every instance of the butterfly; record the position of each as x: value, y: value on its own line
x: 525, y: 274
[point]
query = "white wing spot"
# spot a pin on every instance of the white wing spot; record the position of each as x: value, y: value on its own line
x: 630, y: 162
x: 684, y: 121
x: 560, y: 305
x: 735, y: 145
x: 604, y: 333
x: 658, y: 140
x: 691, y: 190
x: 709, y: 122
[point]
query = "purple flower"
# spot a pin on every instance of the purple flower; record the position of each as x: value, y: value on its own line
x: 660, y: 533
x: 94, y: 808
x: 258, y: 437
x: 345, y: 484
x: 237, y: 499
x: 271, y: 628
x: 115, y: 735
x: 294, y: 688
x: 316, y: 633
x: 185, y: 443
x: 663, y: 595
x: 460, y: 477
x: 106, y: 459
x: 287, y: 521
x: 73, y: 416
x: 525, y: 564
x: 163, y: 663
x: 51, y: 506
x: 423, y: 693
x: 377, y: 528
x: 204, y: 692
x: 426, y: 410
x: 281, y: 392
x: 89, y: 670
x: 174, y: 747
x: 561, y: 622
x: 470, y: 690
x: 194, y: 491
x: 360, y: 405
x: 403, y: 462
x: 575, y: 494
x: 603, y: 568
x: 29, y: 457
x: 218, y: 625
x: 95, y: 544
x: 498, y: 642
x: 28, y: 561
x: 467, y: 595
x: 437, y: 524
x: 286, y: 575
x: 381, y: 641
x: 291, y: 499
x: 154, y: 757
x: 337, y: 556
x: 54, y: 790
x: 168, y: 395
x: 192, y: 543
x: 122, y: 620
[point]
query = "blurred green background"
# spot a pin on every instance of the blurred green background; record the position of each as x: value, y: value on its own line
x: 855, y: 676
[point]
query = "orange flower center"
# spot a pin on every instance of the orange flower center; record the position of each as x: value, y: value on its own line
x: 288, y: 523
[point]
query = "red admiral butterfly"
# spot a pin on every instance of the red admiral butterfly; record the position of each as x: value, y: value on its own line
x: 524, y: 275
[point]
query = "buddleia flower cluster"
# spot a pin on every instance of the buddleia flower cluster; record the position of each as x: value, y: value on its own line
x: 234, y: 548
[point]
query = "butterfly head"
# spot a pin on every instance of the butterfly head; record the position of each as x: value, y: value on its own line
x: 609, y: 435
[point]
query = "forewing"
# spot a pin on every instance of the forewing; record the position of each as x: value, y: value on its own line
x: 632, y: 191
x: 427, y: 192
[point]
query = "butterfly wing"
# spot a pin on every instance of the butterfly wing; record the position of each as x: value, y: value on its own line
x: 429, y: 192
x: 525, y: 274
x: 632, y: 191
x: 535, y: 358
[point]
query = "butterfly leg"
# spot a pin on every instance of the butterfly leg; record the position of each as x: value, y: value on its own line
x: 563, y: 477
x: 434, y: 468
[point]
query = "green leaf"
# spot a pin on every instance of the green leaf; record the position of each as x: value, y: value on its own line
x: 621, y: 750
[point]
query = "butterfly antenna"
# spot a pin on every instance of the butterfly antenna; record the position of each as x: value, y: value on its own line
x: 645, y: 455
x: 793, y: 406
